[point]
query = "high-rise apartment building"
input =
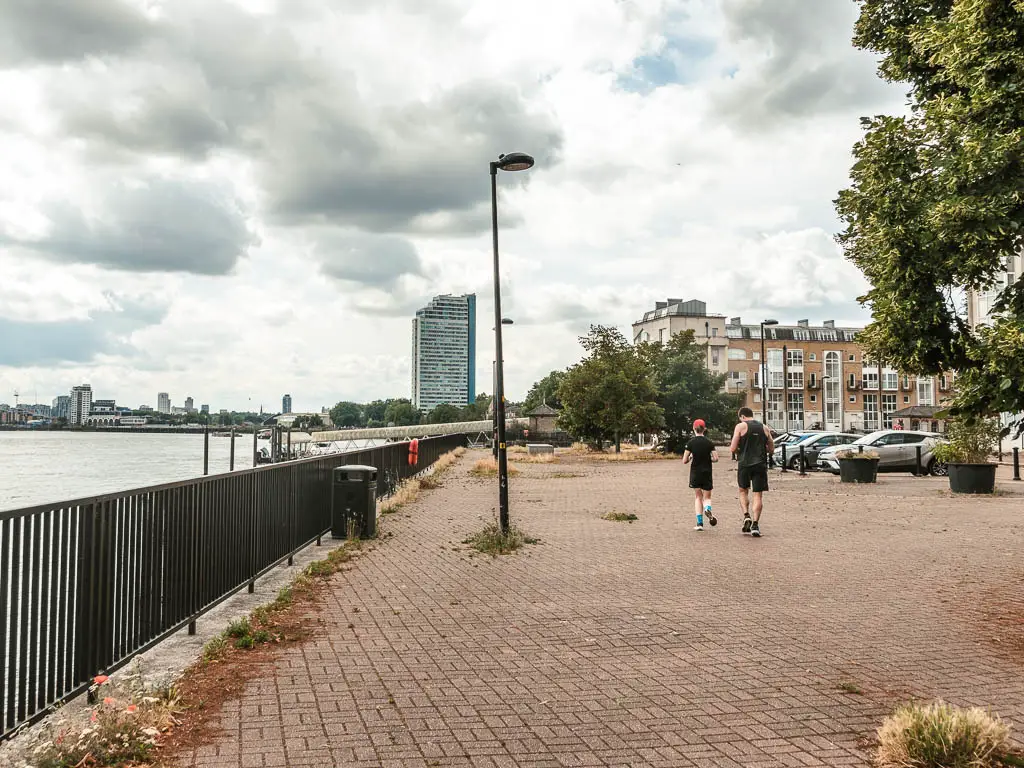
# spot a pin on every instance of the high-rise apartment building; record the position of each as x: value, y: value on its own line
x: 815, y: 377
x: 286, y: 404
x: 190, y: 405
x: 163, y: 403
x: 444, y: 352
x: 79, y: 404
x: 61, y: 404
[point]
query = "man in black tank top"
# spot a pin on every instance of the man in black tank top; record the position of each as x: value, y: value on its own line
x: 751, y: 444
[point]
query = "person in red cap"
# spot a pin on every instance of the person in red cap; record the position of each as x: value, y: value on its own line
x: 700, y: 453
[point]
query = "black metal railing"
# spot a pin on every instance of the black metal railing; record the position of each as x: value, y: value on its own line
x: 87, y: 584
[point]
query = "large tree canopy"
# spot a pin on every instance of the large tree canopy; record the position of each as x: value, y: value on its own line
x: 544, y: 391
x: 687, y: 390
x: 611, y: 392
x: 936, y: 205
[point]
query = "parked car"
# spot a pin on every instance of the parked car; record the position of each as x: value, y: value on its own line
x: 896, y: 448
x: 789, y: 438
x: 813, y: 444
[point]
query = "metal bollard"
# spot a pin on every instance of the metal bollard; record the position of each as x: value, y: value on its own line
x: 1016, y: 463
x: 803, y: 462
x: 860, y: 449
x: 784, y: 462
x: 920, y: 469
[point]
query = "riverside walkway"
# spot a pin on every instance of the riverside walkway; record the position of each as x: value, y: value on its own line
x: 646, y: 643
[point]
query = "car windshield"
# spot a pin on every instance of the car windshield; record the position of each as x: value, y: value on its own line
x: 869, y: 439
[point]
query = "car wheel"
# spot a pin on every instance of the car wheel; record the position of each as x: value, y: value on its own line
x: 937, y: 469
x: 794, y: 463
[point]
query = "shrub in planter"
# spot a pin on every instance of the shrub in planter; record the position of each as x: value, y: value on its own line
x: 857, y: 466
x: 966, y: 454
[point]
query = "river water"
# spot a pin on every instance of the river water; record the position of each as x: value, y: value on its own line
x: 44, y: 467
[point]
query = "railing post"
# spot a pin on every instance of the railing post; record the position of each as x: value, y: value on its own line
x: 255, y: 444
x: 192, y: 627
x: 231, y: 465
x: 1016, y: 463
x: 803, y: 462
x: 784, y: 462
x: 206, y: 451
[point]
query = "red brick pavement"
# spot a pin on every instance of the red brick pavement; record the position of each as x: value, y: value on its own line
x: 643, y: 644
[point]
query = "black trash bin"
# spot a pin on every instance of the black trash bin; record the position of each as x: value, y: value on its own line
x: 354, y: 501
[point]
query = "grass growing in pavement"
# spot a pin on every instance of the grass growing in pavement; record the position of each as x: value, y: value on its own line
x: 619, y: 517
x: 847, y: 686
x: 492, y: 541
x: 537, y: 458
x: 939, y: 735
x: 489, y: 468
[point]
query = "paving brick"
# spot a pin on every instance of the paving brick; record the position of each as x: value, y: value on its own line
x: 643, y: 644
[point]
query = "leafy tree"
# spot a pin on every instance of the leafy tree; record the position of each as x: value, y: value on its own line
x: 545, y: 391
x: 611, y: 392
x: 444, y: 414
x: 687, y: 390
x: 376, y: 411
x: 401, y: 413
x: 935, y: 205
x: 347, y: 414
x: 477, y: 410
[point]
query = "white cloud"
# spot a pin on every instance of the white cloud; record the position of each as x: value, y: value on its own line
x: 314, y: 171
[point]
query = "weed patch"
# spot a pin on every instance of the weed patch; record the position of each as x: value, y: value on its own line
x: 847, y: 686
x: 492, y: 541
x: 940, y: 735
x: 489, y: 468
x: 619, y: 517
x: 537, y: 458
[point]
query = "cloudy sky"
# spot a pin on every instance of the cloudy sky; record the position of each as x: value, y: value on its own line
x: 234, y: 199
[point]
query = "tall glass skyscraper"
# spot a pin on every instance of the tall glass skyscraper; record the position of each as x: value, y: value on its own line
x: 444, y: 352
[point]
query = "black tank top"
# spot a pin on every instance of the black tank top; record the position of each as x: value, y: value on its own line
x: 753, y: 446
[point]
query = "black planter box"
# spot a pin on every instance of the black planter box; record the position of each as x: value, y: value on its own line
x: 972, y: 478
x: 858, y: 470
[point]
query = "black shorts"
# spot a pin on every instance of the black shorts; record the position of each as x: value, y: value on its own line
x: 705, y: 481
x: 753, y: 478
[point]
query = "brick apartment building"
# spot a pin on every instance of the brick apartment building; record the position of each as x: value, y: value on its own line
x: 817, y: 377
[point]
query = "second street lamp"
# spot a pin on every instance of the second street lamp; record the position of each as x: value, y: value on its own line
x: 494, y: 404
x: 514, y: 161
x: 764, y: 374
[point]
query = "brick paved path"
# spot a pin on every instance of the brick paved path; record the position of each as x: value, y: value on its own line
x: 646, y: 644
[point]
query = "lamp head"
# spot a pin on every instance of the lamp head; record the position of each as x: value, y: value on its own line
x: 515, y: 161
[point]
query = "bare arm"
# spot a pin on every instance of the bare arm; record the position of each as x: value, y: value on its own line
x: 740, y: 431
x: 686, y: 457
x: 769, y: 439
x: 714, y: 455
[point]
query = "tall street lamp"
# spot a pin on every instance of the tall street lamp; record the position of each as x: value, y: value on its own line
x: 764, y: 374
x: 514, y: 161
x: 494, y: 403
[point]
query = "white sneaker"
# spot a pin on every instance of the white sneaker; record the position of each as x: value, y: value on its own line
x: 698, y: 528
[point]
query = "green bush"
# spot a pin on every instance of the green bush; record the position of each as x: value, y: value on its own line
x: 968, y: 442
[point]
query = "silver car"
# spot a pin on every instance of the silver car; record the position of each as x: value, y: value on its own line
x: 896, y: 449
x: 813, y: 444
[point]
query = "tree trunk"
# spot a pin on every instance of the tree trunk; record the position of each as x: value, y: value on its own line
x: 618, y: 443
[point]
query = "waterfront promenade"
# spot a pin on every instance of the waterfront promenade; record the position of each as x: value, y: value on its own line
x: 646, y: 644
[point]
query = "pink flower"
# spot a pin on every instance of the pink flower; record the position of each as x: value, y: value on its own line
x: 100, y: 679
x: 108, y: 701
x: 131, y: 708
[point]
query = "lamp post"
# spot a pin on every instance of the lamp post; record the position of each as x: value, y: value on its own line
x: 764, y: 374
x: 514, y: 161
x: 494, y: 403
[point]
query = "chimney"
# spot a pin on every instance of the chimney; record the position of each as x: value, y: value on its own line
x: 829, y: 324
x: 803, y: 323
x: 675, y: 301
